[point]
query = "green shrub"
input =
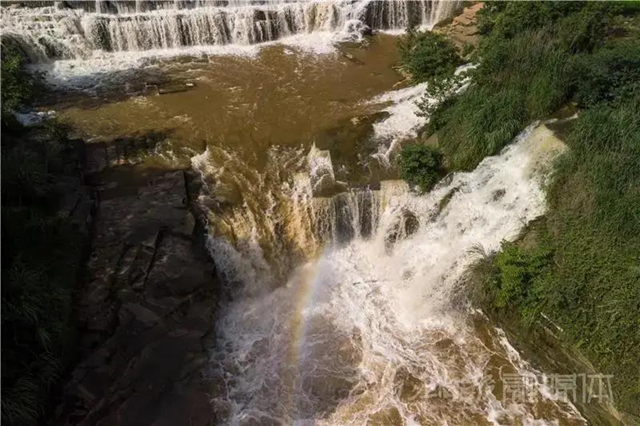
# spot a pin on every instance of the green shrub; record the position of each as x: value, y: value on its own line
x: 579, y: 24
x: 608, y: 75
x: 579, y: 264
x: 40, y: 259
x: 421, y: 165
x: 521, y: 273
x: 17, y: 85
x: 534, y: 60
x: 428, y: 56
x: 40, y: 263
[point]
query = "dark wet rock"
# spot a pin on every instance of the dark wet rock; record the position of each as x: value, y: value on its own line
x: 175, y: 273
x: 408, y: 387
x: 175, y: 88
x: 352, y: 58
x: 99, y: 29
x: 349, y: 143
x: 78, y: 201
x: 383, y: 14
x: 444, y: 202
x: 498, y: 194
x: 146, y: 313
x: 366, y: 31
x: 440, y: 392
x: 404, y: 227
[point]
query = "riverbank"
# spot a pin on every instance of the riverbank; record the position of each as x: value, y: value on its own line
x: 577, y: 267
x: 145, y: 311
x: 341, y: 308
x: 109, y: 294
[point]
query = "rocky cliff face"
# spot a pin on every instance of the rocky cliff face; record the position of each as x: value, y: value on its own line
x: 145, y: 312
x: 462, y: 28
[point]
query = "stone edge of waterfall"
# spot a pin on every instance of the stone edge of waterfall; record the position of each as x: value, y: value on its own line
x: 81, y: 49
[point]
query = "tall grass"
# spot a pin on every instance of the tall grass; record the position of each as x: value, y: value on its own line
x: 580, y: 265
x: 583, y: 269
x: 529, y: 66
x: 518, y: 80
x: 427, y: 55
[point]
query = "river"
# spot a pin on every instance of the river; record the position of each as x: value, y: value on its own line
x: 343, y: 297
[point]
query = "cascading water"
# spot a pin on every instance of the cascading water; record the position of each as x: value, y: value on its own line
x: 80, y: 30
x: 343, y: 303
x: 367, y: 330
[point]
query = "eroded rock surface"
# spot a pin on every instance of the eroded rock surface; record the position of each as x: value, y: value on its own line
x: 145, y: 313
x: 463, y: 29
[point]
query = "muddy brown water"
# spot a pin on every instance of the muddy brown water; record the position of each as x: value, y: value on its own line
x: 281, y: 96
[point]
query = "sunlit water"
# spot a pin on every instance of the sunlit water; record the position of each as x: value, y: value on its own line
x: 343, y: 300
x: 373, y: 329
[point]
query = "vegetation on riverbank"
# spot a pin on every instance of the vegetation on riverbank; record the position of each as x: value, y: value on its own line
x: 428, y: 56
x: 42, y: 252
x: 579, y: 265
x: 421, y: 165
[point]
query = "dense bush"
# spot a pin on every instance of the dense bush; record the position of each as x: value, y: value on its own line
x: 428, y: 56
x: 421, y: 165
x: 608, y: 75
x: 39, y: 265
x: 518, y: 80
x: 581, y: 23
x: 581, y: 270
x: 520, y: 273
x: 595, y: 218
x: 535, y: 57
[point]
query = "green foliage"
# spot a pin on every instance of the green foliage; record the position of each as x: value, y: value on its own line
x: 41, y: 251
x: 518, y: 80
x: 428, y: 56
x: 421, y: 165
x: 535, y: 57
x: 578, y: 24
x: 520, y: 271
x: 579, y: 265
x: 17, y: 85
x: 608, y: 75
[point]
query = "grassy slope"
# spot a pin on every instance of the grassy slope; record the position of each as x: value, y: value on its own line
x: 580, y: 265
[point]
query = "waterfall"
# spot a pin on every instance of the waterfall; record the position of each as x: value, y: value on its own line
x: 79, y: 30
x: 365, y: 329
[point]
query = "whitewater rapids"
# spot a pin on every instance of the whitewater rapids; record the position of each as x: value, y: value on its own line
x: 369, y: 332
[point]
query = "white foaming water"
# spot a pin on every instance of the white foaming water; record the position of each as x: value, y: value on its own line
x: 405, y: 118
x: 403, y: 121
x: 369, y: 330
x: 89, y: 38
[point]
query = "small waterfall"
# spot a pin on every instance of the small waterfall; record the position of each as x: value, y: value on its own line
x: 274, y: 216
x: 78, y: 30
